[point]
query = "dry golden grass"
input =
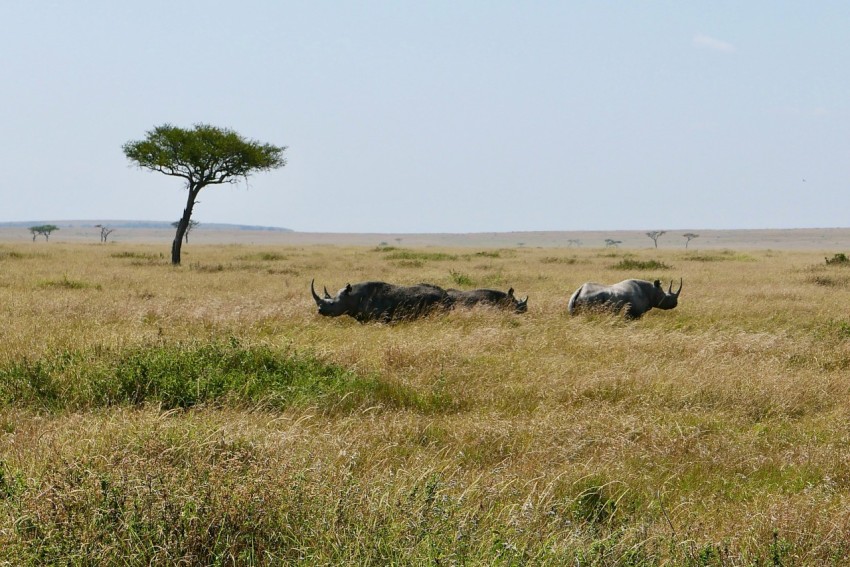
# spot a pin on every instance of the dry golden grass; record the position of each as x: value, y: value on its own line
x: 716, y: 433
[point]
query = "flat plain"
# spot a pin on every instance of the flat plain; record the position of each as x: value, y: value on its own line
x: 206, y: 414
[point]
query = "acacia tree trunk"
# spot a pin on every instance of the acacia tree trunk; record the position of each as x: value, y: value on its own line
x: 183, y: 225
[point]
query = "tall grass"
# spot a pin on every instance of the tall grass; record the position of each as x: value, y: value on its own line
x: 208, y: 416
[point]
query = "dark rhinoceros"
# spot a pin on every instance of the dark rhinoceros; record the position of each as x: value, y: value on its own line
x: 488, y: 297
x: 636, y: 296
x: 380, y: 301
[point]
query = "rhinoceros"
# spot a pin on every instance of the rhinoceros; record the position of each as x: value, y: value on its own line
x: 636, y: 296
x: 488, y: 297
x: 380, y: 301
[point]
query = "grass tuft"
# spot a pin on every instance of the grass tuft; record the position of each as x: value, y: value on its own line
x: 66, y: 283
x: 839, y: 259
x: 460, y: 278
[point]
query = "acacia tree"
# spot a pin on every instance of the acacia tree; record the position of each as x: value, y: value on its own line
x: 105, y: 231
x: 690, y: 236
x: 189, y: 228
x: 655, y: 235
x: 204, y: 155
x: 43, y: 229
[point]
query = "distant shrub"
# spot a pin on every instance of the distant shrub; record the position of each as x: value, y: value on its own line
x: 488, y: 254
x: 839, y: 259
x: 632, y: 264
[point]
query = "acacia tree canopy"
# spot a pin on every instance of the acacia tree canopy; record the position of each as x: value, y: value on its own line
x: 204, y: 155
x: 189, y: 228
x: 43, y: 229
x: 655, y: 235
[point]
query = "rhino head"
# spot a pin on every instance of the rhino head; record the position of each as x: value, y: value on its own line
x: 519, y: 306
x: 666, y: 299
x: 334, y: 306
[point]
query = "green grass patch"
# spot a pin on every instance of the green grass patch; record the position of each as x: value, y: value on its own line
x: 722, y: 256
x: 185, y: 375
x: 400, y: 254
x: 558, y: 260
x: 705, y: 258
x: 264, y: 257
x: 137, y: 255
x: 66, y: 283
x: 460, y: 278
x: 632, y: 264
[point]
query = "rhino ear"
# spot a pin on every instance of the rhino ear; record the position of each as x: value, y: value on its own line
x: 511, y: 292
x: 347, y: 288
x: 657, y: 283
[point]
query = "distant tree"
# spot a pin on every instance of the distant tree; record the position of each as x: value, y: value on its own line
x: 690, y: 236
x: 573, y: 242
x: 655, y: 235
x: 105, y: 231
x: 611, y: 243
x: 204, y: 155
x: 43, y: 229
x: 189, y: 228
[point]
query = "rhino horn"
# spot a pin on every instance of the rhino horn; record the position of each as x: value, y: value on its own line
x: 316, y: 297
x: 327, y: 295
x: 678, y: 291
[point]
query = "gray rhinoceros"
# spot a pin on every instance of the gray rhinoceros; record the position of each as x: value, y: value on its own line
x: 380, y: 301
x: 636, y: 296
x: 488, y: 297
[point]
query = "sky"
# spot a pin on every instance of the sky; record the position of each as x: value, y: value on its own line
x: 439, y: 116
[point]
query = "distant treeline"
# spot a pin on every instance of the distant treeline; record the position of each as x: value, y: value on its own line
x: 139, y: 224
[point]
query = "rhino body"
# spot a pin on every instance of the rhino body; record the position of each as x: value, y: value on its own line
x: 636, y: 297
x: 488, y: 297
x: 381, y: 301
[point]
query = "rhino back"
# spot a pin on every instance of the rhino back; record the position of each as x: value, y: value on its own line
x: 614, y: 297
x: 390, y: 301
x: 474, y: 296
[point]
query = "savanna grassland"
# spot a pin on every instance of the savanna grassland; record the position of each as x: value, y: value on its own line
x: 207, y: 415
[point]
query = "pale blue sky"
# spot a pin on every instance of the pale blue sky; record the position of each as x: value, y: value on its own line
x: 451, y: 116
